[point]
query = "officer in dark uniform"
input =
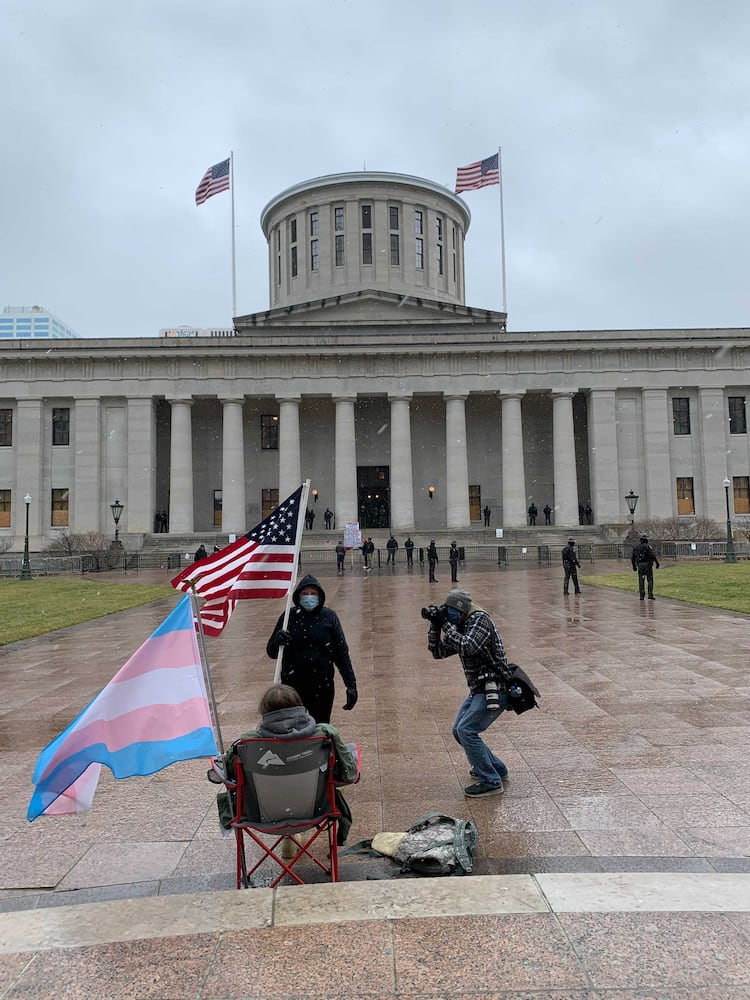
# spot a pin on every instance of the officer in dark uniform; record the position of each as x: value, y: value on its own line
x: 644, y: 559
x: 571, y: 566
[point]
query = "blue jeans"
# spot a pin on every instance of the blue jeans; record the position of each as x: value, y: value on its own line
x: 472, y: 719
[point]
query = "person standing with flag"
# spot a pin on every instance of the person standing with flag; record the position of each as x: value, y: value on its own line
x: 313, y: 643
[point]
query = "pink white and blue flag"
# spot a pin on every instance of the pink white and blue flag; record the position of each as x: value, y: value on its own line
x: 152, y: 713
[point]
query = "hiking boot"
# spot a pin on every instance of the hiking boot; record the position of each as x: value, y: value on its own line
x: 480, y: 789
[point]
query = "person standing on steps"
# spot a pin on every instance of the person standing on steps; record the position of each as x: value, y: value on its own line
x: 340, y: 556
x: 432, y: 560
x: 328, y: 517
x: 547, y: 514
x: 409, y: 549
x: 453, y: 560
x: 644, y: 559
x: 487, y: 514
x: 532, y: 513
x: 391, y: 545
x: 571, y: 566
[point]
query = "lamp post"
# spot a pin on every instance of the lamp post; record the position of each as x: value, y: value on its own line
x: 730, y: 557
x: 631, y: 499
x: 315, y: 495
x: 26, y: 565
x: 117, y: 509
x: 431, y: 492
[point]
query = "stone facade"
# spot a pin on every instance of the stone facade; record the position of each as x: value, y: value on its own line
x: 375, y: 394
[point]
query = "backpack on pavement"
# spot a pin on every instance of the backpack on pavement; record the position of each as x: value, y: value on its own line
x: 435, y: 844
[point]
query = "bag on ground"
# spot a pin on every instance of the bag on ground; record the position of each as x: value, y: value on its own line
x: 434, y: 844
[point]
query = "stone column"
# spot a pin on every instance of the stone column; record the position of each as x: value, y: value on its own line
x: 713, y: 423
x: 30, y: 454
x: 89, y: 511
x: 345, y: 488
x: 513, y: 470
x: 564, y: 458
x: 658, y: 501
x: 402, y: 491
x: 290, y: 463
x: 456, y: 463
x: 233, y: 514
x: 181, y: 468
x: 141, y: 460
x: 606, y: 491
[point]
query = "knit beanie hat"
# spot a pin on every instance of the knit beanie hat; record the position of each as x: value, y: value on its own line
x: 460, y: 599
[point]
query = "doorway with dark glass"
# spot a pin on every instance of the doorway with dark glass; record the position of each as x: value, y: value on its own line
x: 374, y: 496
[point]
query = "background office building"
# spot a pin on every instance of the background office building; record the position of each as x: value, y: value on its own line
x: 22, y: 322
x: 369, y: 374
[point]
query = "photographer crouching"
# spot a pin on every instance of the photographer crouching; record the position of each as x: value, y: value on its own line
x: 459, y: 626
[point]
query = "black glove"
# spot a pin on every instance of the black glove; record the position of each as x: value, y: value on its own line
x: 283, y: 637
x: 351, y: 698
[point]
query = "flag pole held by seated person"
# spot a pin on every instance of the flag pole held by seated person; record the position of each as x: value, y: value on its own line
x: 206, y: 669
x: 293, y: 583
x: 152, y: 713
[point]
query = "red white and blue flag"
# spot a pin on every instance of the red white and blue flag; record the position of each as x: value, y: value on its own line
x: 215, y: 179
x: 261, y: 564
x: 481, y: 174
x: 152, y: 713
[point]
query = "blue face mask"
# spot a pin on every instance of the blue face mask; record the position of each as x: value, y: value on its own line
x: 309, y: 602
x: 453, y: 615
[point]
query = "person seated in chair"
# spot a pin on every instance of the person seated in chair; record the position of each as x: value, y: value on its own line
x: 283, y: 715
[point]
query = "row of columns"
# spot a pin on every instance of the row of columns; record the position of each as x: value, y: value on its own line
x: 345, y: 461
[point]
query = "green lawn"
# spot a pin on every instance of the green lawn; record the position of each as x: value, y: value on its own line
x: 33, y: 607
x: 713, y: 584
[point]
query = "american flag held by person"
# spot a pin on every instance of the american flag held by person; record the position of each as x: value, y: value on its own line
x: 261, y: 564
x: 215, y: 179
x: 481, y: 174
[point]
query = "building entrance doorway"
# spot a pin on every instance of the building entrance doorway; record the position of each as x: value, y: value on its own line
x: 374, y: 496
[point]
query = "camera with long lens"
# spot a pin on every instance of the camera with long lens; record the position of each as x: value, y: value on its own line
x: 435, y: 613
x: 491, y: 692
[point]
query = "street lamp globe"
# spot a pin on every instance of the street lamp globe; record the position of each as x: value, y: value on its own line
x: 26, y: 564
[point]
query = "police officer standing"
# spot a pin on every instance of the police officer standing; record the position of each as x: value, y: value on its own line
x: 644, y: 559
x: 571, y: 566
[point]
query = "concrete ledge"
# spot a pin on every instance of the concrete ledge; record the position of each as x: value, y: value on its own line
x: 215, y: 912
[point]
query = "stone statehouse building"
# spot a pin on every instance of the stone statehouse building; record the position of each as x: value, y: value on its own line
x: 370, y: 375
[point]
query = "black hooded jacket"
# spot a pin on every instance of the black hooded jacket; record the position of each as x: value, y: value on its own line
x: 317, y: 645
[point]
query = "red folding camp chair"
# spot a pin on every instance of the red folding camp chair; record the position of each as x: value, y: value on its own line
x: 284, y: 788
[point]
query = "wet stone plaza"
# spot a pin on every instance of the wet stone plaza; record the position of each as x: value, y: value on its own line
x: 616, y: 865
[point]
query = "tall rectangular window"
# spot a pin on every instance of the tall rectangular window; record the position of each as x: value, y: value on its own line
x: 293, y: 231
x: 367, y: 216
x: 338, y: 218
x: 741, y: 491
x: 6, y: 428
x: 313, y: 223
x: 293, y: 262
x: 293, y: 247
x: 419, y: 253
x: 418, y: 222
x: 439, y: 257
x: 314, y: 255
x: 60, y: 508
x: 681, y: 414
x: 737, y: 415
x: 269, y: 432
x: 685, y: 496
x: 277, y: 235
x: 367, y: 248
x: 439, y: 229
x: 339, y: 251
x: 61, y: 425
x: 393, y: 217
x: 4, y: 508
x: 395, y: 251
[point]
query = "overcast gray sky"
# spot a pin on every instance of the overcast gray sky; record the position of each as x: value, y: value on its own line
x: 624, y: 127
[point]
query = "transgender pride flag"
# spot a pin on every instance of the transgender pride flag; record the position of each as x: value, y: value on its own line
x: 152, y: 713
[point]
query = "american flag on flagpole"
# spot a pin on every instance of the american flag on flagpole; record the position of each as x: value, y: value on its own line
x: 215, y: 179
x: 259, y: 565
x: 481, y: 174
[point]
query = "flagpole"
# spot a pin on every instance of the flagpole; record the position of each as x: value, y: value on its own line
x: 234, y: 262
x: 293, y: 583
x: 502, y: 229
x: 204, y: 664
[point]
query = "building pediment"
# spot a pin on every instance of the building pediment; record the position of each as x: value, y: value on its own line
x: 371, y: 308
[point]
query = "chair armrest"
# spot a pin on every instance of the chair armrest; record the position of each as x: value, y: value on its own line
x: 217, y: 775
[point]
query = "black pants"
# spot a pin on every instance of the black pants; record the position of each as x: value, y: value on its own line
x: 645, y: 578
x: 571, y: 573
x: 454, y: 572
x: 431, y: 564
